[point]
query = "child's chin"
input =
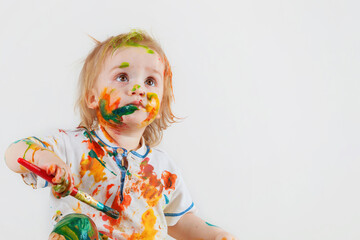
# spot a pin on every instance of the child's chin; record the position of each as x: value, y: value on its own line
x: 133, y: 120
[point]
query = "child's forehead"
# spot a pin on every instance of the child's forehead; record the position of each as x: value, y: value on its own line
x: 133, y: 56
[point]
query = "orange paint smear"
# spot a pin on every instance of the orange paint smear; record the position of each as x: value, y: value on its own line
x: 93, y: 167
x: 78, y: 209
x: 152, y: 108
x: 110, y: 228
x: 92, y: 145
x: 107, y: 135
x: 96, y: 191
x: 151, y: 188
x: 106, y: 96
x: 108, y: 194
x: 169, y: 180
x: 120, y: 207
x: 108, y: 108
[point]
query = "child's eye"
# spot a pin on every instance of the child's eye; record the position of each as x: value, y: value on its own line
x: 122, y: 78
x: 151, y: 82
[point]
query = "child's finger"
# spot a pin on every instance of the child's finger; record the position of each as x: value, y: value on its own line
x: 59, y: 176
x: 51, y: 170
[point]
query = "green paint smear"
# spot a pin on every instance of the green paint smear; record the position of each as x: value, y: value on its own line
x: 125, y: 110
x: 166, y: 199
x: 101, y: 144
x: 136, y: 86
x: 29, y: 143
x: 86, y: 134
x: 92, y: 154
x: 132, y: 40
x: 134, y: 44
x: 77, y: 226
x: 211, y: 225
x: 124, y: 65
x: 116, y: 115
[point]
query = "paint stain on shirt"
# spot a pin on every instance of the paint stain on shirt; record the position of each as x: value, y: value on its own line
x: 148, y: 220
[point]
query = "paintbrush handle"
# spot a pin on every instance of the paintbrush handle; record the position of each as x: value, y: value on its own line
x: 41, y: 173
x: 35, y: 169
x: 81, y: 196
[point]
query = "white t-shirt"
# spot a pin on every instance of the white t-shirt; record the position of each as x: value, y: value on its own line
x: 149, y: 195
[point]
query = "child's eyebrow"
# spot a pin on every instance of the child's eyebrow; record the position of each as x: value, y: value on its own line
x: 118, y: 67
x: 150, y: 69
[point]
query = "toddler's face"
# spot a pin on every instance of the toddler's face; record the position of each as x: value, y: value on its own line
x: 129, y: 89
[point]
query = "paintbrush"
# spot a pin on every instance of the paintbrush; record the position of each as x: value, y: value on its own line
x: 82, y: 196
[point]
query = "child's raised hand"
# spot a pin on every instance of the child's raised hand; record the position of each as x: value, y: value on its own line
x: 63, y: 181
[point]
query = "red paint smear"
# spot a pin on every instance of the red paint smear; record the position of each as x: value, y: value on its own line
x: 108, y: 194
x: 110, y: 228
x: 120, y: 207
x: 169, y: 180
x: 96, y: 191
x: 152, y: 189
x: 61, y: 130
x: 92, y: 145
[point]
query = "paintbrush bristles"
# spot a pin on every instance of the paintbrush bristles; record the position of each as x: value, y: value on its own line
x: 111, y: 212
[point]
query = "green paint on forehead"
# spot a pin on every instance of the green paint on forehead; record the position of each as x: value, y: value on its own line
x: 132, y: 39
x: 134, y: 44
x: 136, y: 86
x: 124, y: 65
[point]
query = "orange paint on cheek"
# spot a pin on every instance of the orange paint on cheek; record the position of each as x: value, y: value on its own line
x: 152, y: 107
x: 109, y: 107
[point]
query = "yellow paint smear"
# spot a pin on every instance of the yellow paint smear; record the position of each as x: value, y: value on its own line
x: 148, y: 220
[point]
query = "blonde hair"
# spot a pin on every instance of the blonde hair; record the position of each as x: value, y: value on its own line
x: 93, y: 65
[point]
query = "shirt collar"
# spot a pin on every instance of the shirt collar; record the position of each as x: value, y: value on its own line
x: 103, y: 136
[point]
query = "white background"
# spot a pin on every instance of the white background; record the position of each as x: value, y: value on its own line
x: 269, y: 146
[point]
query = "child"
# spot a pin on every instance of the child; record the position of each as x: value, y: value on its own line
x: 124, y: 100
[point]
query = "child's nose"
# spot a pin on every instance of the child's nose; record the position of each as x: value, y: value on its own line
x: 137, y: 90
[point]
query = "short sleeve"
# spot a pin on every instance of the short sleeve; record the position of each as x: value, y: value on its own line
x: 53, y: 143
x: 180, y: 201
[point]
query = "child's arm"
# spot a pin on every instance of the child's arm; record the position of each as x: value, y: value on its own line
x: 192, y: 227
x: 43, y: 158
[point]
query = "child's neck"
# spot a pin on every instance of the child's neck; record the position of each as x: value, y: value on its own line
x: 129, y: 140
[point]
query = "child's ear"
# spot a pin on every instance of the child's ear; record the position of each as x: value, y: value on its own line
x: 91, y: 100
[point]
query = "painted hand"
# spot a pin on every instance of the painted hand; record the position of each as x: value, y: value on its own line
x: 63, y: 180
